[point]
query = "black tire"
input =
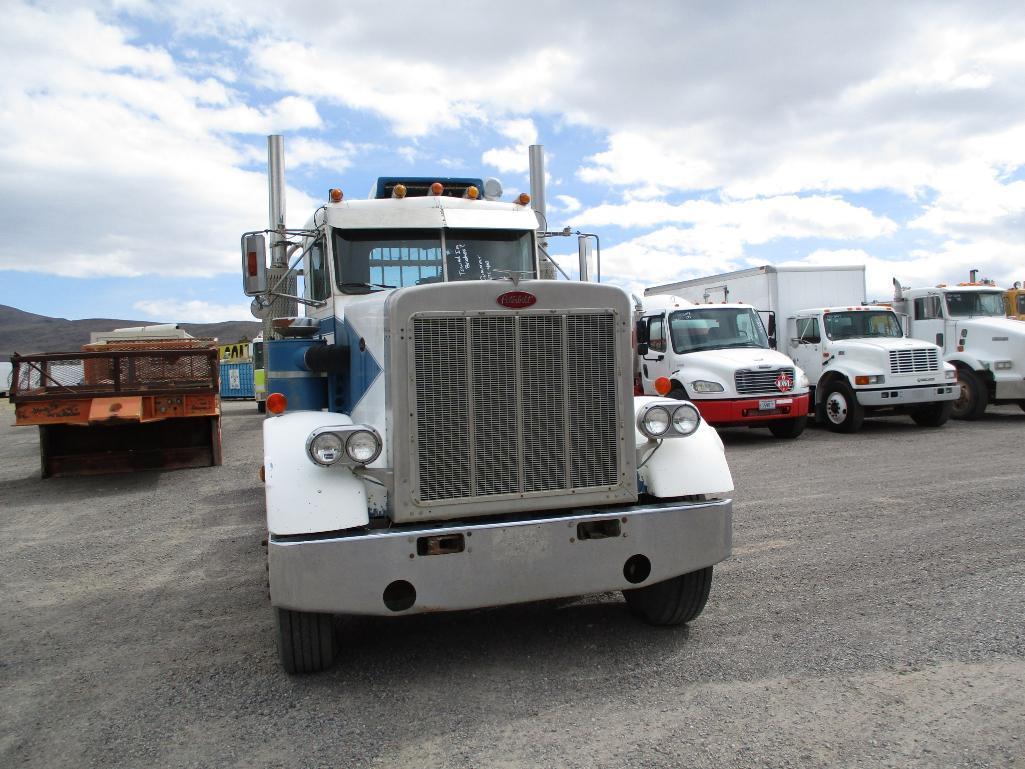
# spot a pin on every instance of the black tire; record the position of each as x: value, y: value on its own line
x: 672, y: 602
x: 261, y: 407
x: 839, y: 409
x: 678, y: 392
x: 933, y: 416
x: 788, y: 429
x: 1022, y: 404
x: 306, y: 641
x: 972, y: 401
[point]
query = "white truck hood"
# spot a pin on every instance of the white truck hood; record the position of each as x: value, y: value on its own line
x: 725, y: 362
x: 872, y: 344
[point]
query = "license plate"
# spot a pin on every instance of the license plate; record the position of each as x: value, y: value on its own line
x: 766, y: 405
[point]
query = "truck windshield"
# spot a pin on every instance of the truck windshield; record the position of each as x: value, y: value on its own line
x: 372, y: 260
x: 860, y: 324
x: 715, y: 328
x: 965, y: 304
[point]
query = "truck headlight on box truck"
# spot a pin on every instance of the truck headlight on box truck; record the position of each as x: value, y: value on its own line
x: 867, y: 380
x: 704, y: 386
x: 1003, y: 365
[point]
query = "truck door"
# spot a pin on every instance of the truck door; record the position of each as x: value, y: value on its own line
x: 806, y: 345
x: 655, y: 363
x: 927, y: 321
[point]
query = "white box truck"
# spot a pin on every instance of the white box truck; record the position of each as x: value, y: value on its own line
x: 967, y: 321
x: 857, y: 358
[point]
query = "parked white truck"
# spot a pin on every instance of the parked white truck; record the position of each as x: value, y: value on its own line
x: 857, y: 358
x: 449, y: 432
x: 720, y: 357
x: 967, y: 321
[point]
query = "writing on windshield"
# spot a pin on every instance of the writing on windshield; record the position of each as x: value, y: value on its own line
x: 716, y: 328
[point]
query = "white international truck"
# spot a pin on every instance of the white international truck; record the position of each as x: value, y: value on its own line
x: 967, y: 321
x: 720, y: 357
x: 449, y: 432
x: 856, y: 357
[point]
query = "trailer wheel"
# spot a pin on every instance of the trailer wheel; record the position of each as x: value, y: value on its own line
x: 673, y: 601
x: 839, y: 409
x: 305, y: 640
x: 933, y: 416
x: 788, y: 428
x: 972, y: 400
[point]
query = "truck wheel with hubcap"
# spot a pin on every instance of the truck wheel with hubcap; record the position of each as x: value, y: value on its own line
x: 788, y: 428
x: 934, y: 415
x: 306, y: 640
x: 673, y: 601
x: 839, y: 409
x: 972, y: 400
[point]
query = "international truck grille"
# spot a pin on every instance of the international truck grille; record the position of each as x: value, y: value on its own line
x: 914, y: 361
x: 760, y: 381
x: 515, y: 404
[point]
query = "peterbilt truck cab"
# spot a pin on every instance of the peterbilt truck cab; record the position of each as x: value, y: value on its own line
x: 446, y: 431
x: 859, y: 361
x: 988, y: 349
x: 720, y: 357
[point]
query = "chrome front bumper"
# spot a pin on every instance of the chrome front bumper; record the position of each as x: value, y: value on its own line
x: 500, y: 563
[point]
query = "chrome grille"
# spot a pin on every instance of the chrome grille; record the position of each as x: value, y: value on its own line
x: 914, y: 361
x: 514, y: 404
x: 759, y: 381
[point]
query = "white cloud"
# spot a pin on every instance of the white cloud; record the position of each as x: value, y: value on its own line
x: 192, y: 311
x: 568, y: 203
x: 515, y: 158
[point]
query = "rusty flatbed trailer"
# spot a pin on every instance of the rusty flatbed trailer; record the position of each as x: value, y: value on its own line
x: 120, y: 410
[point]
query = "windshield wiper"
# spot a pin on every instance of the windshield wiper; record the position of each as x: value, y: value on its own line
x: 365, y: 285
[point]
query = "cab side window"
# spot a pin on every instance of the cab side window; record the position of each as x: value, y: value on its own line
x: 808, y: 331
x: 319, y: 283
x: 927, y: 307
x: 657, y: 334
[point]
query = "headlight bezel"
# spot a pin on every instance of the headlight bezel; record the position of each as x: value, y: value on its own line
x: 344, y: 433
x: 706, y: 386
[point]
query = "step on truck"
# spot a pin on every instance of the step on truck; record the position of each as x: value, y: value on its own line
x: 856, y: 358
x: 967, y: 322
x: 720, y: 357
x: 447, y: 431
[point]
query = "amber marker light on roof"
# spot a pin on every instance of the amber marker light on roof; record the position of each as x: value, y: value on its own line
x: 335, y: 194
x: 398, y: 191
x: 277, y: 403
x: 472, y: 192
x: 437, y: 188
x: 523, y: 199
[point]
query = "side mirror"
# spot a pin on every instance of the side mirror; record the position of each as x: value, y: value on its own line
x: 939, y: 340
x: 254, y: 265
x: 772, y: 339
x: 642, y: 332
x: 642, y: 348
x: 794, y: 341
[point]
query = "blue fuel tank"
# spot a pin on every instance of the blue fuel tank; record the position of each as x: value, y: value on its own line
x: 287, y: 374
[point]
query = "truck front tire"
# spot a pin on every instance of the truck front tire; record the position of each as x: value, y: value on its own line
x: 934, y: 415
x: 839, y: 409
x: 306, y: 640
x: 673, y: 601
x: 971, y: 402
x: 788, y: 428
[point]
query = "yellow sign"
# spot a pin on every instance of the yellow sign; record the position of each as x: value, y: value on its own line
x: 240, y: 351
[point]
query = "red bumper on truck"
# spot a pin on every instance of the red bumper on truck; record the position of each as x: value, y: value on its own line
x: 752, y: 411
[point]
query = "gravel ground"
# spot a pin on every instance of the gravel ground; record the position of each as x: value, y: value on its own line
x: 871, y: 616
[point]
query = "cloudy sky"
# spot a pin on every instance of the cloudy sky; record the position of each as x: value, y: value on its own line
x: 696, y: 138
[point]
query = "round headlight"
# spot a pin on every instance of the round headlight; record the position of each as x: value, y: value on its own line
x: 656, y: 421
x: 363, y: 447
x: 686, y: 419
x: 326, y: 448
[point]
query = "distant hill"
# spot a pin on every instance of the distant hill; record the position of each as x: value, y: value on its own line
x: 25, y: 332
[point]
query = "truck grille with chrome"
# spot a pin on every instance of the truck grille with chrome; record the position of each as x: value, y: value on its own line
x: 759, y: 381
x: 511, y: 404
x: 914, y: 361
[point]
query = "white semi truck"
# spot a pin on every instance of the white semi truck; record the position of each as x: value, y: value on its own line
x: 967, y: 322
x: 720, y: 357
x: 857, y: 358
x: 450, y: 432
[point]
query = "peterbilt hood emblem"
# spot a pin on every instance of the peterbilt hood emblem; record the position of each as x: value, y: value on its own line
x: 784, y: 382
x: 516, y: 300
